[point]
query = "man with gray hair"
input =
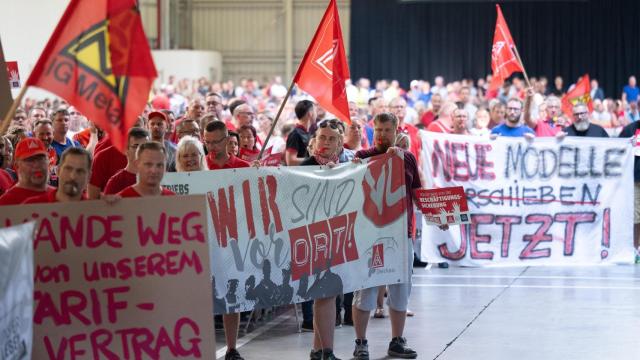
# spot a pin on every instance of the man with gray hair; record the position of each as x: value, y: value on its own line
x: 582, y: 125
x: 544, y: 127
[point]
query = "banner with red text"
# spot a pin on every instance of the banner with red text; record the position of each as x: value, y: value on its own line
x: 126, y: 281
x: 540, y: 202
x: 290, y: 234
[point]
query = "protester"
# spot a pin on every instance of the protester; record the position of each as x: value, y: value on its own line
x: 481, y: 123
x: 248, y: 149
x: 582, y: 125
x: 32, y: 160
x: 385, y: 130
x: 150, y: 165
x: 298, y: 139
x: 73, y: 176
x: 632, y: 131
x: 158, y: 127
x: 512, y: 127
x: 6, y: 159
x: 329, y: 140
x: 460, y: 121
x: 43, y: 130
x: 190, y: 155
x: 127, y: 176
x: 60, y: 121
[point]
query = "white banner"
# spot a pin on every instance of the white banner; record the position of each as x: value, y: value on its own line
x: 16, y: 291
x: 539, y: 202
x: 290, y: 234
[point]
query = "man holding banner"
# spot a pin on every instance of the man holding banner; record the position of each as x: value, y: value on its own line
x: 385, y: 130
x: 73, y: 176
x: 151, y: 164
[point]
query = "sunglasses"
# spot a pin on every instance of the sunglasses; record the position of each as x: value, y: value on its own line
x: 334, y: 124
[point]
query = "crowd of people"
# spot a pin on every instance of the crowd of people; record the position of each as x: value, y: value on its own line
x: 52, y: 153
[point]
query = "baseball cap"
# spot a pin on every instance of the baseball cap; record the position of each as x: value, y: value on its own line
x: 29, y: 147
x: 158, y: 114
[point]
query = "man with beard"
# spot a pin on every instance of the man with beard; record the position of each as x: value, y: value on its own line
x: 385, y: 131
x: 31, y: 159
x: 512, y: 126
x: 150, y: 166
x: 582, y: 125
x: 75, y: 166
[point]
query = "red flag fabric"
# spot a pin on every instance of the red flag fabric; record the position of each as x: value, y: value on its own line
x: 324, y: 67
x: 98, y: 59
x: 581, y: 93
x: 503, y: 59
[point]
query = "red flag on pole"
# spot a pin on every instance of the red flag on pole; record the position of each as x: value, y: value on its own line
x: 503, y: 59
x: 324, y: 68
x: 98, y: 59
x: 581, y: 93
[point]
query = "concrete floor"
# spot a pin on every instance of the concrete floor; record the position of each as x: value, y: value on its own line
x: 490, y: 313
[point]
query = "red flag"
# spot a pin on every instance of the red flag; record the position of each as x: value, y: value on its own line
x: 98, y: 59
x: 503, y: 59
x: 581, y: 93
x: 324, y: 68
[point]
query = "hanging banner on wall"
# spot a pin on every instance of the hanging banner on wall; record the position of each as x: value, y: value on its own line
x: 537, y: 202
x: 290, y: 234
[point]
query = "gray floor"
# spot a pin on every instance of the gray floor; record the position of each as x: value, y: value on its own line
x: 495, y: 313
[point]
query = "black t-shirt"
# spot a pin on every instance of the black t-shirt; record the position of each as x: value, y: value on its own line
x: 592, y: 131
x: 310, y: 161
x: 627, y: 132
x: 297, y: 141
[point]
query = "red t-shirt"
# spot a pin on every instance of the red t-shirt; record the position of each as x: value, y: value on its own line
x: 16, y: 195
x: 230, y: 125
x: 119, y: 181
x: 102, y: 144
x: 233, y: 163
x: 416, y: 142
x: 427, y: 118
x: 106, y: 163
x: 49, y: 196
x: 438, y: 127
x: 130, y: 192
x: 546, y: 128
x: 6, y: 181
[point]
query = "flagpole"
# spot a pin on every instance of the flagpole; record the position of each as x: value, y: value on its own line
x: 12, y: 110
x: 524, y: 71
x: 275, y: 121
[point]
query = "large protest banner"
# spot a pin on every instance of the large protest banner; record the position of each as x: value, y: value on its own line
x: 127, y: 281
x: 284, y: 235
x: 538, y: 202
x: 16, y: 291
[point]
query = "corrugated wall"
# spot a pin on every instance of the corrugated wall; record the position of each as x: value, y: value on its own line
x: 250, y: 34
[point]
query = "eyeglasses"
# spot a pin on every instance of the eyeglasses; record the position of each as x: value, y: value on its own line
x: 332, y: 123
x: 215, y: 142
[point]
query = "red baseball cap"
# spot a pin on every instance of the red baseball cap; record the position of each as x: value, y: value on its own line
x: 158, y: 114
x: 29, y: 147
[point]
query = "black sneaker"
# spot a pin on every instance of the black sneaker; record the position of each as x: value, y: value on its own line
x: 233, y: 354
x: 307, y: 326
x: 327, y: 354
x: 315, y: 355
x: 398, y: 348
x: 443, y: 265
x: 361, y: 351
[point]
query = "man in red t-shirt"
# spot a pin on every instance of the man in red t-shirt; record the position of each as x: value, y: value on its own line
x: 216, y: 136
x: 150, y: 164
x: 33, y: 172
x: 215, y: 139
x: 106, y: 163
x: 431, y: 115
x: 73, y: 175
x: 398, y: 106
x: 127, y: 176
x: 553, y: 124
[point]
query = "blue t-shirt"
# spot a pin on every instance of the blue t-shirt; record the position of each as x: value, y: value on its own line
x: 60, y: 148
x: 504, y: 130
x: 632, y: 92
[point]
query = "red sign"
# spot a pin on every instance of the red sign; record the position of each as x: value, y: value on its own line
x: 384, y: 193
x: 444, y: 205
x: 13, y: 74
x: 272, y: 160
x: 377, y: 256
